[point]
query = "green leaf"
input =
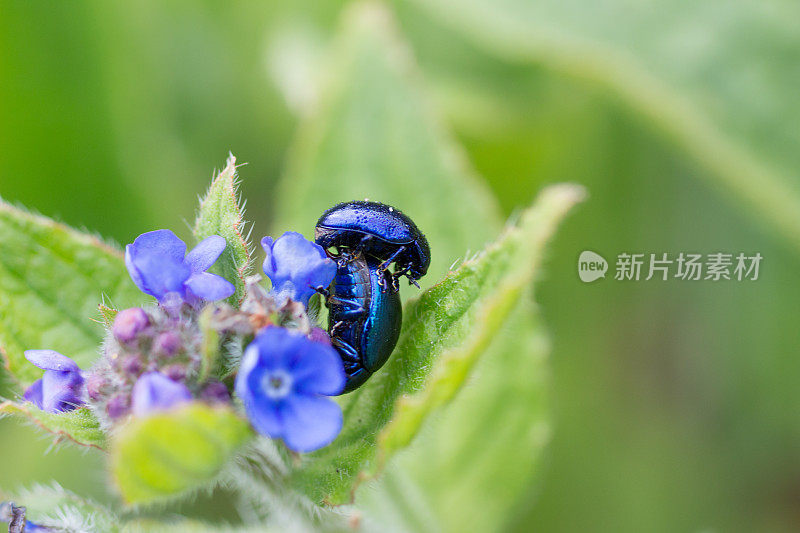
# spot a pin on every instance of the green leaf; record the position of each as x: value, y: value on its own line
x: 258, y: 475
x: 166, y: 454
x: 55, y: 507
x: 469, y: 467
x: 107, y: 314
x: 694, y: 78
x: 79, y: 426
x: 374, y: 135
x: 449, y: 373
x: 52, y: 278
x: 221, y: 213
x: 445, y: 332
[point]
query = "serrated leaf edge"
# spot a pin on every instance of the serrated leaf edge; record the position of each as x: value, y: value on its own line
x: 12, y: 408
x: 410, y: 409
x: 230, y: 173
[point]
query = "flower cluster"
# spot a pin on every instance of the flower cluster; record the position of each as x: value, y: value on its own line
x: 153, y: 355
x: 151, y: 362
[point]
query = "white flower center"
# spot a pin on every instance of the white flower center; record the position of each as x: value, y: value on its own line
x: 277, y: 384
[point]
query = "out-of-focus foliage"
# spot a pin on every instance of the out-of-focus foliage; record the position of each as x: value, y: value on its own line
x: 689, y: 67
x: 373, y: 135
x: 673, y: 401
x: 164, y: 454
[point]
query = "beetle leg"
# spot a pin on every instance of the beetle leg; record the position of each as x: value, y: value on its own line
x: 399, y: 274
x: 355, y: 312
x: 412, y: 281
x: 336, y: 326
x: 353, y: 309
x: 348, y: 353
x: 389, y: 260
x: 351, y: 359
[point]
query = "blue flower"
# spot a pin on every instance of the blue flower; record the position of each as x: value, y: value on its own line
x: 282, y: 379
x: 61, y: 388
x: 296, y: 266
x: 159, y: 265
x: 154, y: 392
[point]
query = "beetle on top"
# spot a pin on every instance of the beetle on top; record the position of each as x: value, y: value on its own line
x: 378, y: 231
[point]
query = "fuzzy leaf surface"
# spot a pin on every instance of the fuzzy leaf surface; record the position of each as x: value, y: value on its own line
x: 443, y: 481
x: 221, y: 213
x: 52, y: 279
x: 79, y: 426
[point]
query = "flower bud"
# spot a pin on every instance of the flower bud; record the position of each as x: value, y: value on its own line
x: 118, y: 406
x: 95, y: 386
x: 132, y: 365
x: 154, y: 392
x: 175, y: 372
x: 216, y: 392
x: 319, y: 335
x: 129, y: 324
x: 167, y: 344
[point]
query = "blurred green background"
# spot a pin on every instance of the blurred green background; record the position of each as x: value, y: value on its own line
x: 676, y: 404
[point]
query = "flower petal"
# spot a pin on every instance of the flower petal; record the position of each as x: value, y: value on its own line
x: 33, y: 393
x: 318, y: 369
x: 269, y: 263
x: 276, y: 347
x: 154, y: 391
x: 309, y: 422
x: 296, y: 266
x: 162, y: 242
x: 51, y: 360
x: 61, y: 390
x: 205, y: 253
x: 155, y: 263
x: 133, y: 270
x: 210, y: 287
x: 161, y: 275
x: 296, y: 256
x: 265, y: 417
x: 262, y: 413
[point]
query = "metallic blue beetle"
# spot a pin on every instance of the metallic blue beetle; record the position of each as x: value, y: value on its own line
x: 378, y: 231
x: 363, y: 320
